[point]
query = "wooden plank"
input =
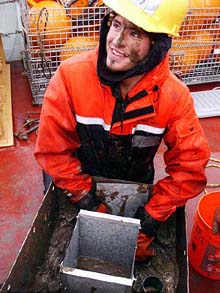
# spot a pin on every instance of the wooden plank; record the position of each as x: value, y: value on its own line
x: 6, y: 125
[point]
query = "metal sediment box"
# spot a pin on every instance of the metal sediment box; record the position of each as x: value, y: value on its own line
x: 101, y: 253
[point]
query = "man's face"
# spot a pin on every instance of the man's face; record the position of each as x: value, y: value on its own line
x: 126, y: 45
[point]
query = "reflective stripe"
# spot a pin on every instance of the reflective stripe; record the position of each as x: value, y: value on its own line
x: 92, y: 121
x: 149, y: 129
x: 99, y: 121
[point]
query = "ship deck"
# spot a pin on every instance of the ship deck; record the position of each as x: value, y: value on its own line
x: 21, y: 184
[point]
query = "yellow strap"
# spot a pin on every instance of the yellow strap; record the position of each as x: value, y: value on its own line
x: 213, y: 185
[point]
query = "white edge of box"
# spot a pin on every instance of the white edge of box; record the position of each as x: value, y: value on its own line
x: 110, y: 217
x: 97, y: 276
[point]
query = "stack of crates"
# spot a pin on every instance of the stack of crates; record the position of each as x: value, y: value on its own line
x: 53, y: 31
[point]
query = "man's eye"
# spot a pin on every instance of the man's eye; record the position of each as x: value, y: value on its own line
x: 135, y: 34
x: 115, y: 25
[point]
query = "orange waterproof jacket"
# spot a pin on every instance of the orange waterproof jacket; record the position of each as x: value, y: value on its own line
x: 85, y: 130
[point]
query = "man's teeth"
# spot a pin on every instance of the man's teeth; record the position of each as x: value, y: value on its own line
x: 117, y: 53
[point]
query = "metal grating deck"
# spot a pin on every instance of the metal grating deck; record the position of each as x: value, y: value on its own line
x: 207, y: 103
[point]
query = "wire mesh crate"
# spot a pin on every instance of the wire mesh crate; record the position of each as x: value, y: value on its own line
x: 195, y: 54
x: 57, y: 30
x: 54, y: 32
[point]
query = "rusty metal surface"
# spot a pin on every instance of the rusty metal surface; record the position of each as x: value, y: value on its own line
x: 34, y: 248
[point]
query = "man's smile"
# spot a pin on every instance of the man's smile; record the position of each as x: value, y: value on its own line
x: 118, y: 53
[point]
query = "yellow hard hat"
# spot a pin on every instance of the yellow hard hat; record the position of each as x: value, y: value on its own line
x: 158, y: 16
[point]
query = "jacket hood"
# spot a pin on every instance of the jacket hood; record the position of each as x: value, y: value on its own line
x: 162, y: 44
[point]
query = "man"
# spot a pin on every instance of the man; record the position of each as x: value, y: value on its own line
x: 105, y: 113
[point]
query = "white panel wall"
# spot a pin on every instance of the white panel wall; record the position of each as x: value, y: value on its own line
x: 10, y: 26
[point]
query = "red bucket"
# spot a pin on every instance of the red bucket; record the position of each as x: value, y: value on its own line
x: 204, y: 246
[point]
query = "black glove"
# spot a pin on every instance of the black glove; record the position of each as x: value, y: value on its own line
x: 134, y: 202
x: 92, y: 202
x: 89, y: 202
x: 149, y: 225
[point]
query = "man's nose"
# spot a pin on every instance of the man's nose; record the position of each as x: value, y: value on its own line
x: 120, y: 39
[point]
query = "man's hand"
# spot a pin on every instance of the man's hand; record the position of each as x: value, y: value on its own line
x: 149, y: 225
x: 144, y: 251
x: 216, y: 221
x: 91, y: 202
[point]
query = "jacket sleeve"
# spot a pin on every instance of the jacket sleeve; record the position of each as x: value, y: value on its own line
x: 58, y: 141
x: 185, y: 159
